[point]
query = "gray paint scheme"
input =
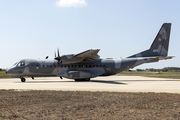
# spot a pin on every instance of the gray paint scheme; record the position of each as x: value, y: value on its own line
x: 87, y: 64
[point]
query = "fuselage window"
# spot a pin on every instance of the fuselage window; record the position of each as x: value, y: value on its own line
x: 71, y: 66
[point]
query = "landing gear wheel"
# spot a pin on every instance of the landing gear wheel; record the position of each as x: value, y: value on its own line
x: 77, y: 80
x: 88, y: 79
x: 23, y: 80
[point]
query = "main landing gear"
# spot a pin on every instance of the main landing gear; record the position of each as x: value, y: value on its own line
x: 23, y: 79
x: 88, y: 79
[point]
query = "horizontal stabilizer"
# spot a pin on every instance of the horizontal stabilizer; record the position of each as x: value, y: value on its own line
x: 156, y: 59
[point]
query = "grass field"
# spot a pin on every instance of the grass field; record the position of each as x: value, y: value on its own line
x: 3, y: 74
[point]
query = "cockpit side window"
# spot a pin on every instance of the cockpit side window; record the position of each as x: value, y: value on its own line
x: 22, y: 63
x: 19, y: 64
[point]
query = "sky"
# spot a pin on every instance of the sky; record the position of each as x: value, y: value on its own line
x: 119, y: 28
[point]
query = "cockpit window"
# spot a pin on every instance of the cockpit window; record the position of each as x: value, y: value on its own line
x: 15, y: 64
x: 22, y: 63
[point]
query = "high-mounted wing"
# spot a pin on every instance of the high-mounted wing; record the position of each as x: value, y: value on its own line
x: 89, y: 55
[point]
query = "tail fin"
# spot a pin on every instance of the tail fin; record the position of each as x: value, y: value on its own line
x: 160, y: 45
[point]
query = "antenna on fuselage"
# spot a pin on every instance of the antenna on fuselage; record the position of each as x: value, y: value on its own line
x: 46, y: 57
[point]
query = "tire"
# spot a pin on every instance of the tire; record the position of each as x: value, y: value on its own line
x: 88, y: 79
x: 76, y: 80
x: 23, y: 80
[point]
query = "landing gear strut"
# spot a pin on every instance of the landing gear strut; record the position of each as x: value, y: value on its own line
x: 23, y: 80
x: 88, y: 79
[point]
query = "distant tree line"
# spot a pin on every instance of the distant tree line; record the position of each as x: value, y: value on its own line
x: 165, y: 69
x: 2, y: 69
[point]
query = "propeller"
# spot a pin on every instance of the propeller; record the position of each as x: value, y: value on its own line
x: 58, y: 57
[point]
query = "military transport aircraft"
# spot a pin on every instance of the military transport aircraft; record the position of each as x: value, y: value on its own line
x: 87, y: 64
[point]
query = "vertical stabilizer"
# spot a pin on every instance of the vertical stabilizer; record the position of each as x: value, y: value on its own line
x: 160, y: 45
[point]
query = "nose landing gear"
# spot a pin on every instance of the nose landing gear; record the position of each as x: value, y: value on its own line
x: 23, y: 80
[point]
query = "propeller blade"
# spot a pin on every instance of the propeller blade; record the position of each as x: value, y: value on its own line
x: 58, y: 57
x: 58, y: 52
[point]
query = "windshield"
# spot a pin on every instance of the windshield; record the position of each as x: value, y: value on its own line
x: 21, y: 63
x: 15, y: 64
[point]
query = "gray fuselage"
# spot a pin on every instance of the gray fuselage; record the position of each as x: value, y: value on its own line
x: 82, y: 70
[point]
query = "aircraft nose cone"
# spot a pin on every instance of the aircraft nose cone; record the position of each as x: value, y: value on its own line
x: 8, y: 71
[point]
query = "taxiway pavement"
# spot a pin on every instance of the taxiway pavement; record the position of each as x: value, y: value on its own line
x: 111, y: 83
